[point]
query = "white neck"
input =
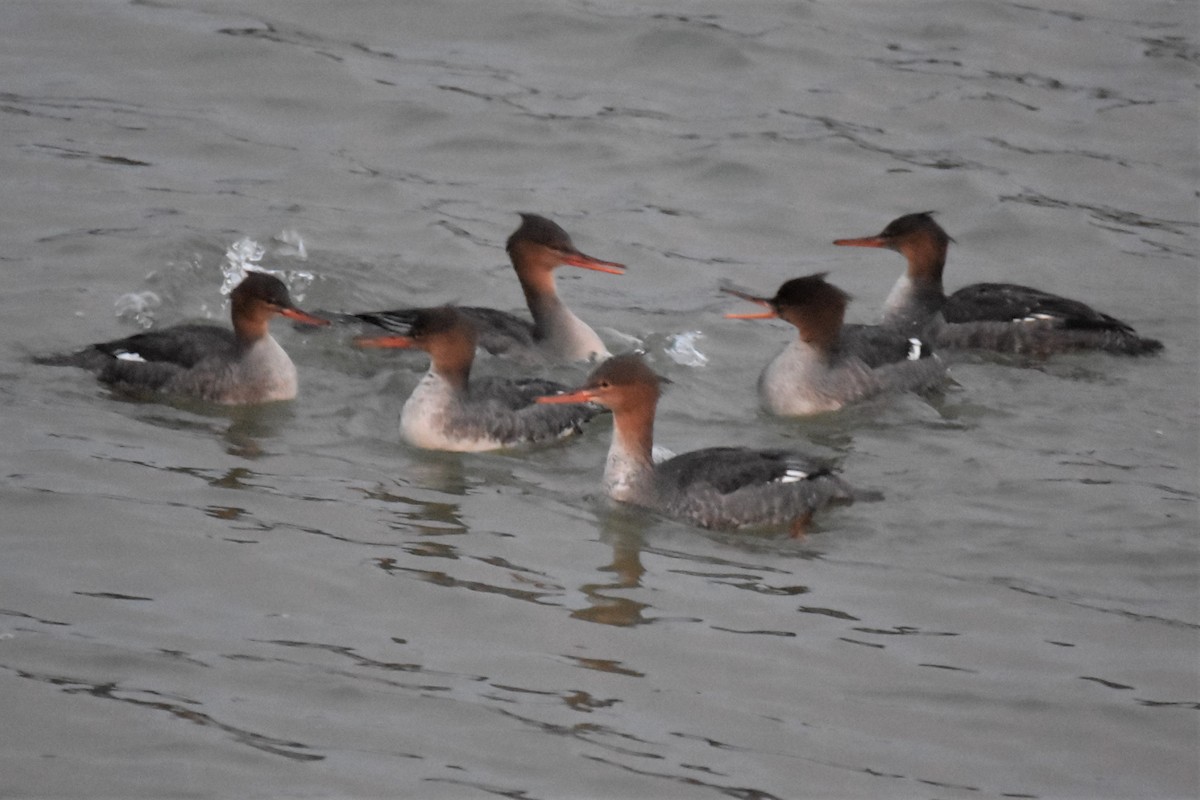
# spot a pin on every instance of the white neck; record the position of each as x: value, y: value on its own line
x: 423, y: 419
x: 629, y: 468
x: 898, y: 300
x: 266, y: 371
x: 565, y: 335
x: 800, y: 381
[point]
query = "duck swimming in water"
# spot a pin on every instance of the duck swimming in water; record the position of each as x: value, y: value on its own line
x: 241, y: 366
x: 449, y: 411
x: 830, y: 365
x: 1001, y: 317
x: 537, y: 248
x: 716, y: 487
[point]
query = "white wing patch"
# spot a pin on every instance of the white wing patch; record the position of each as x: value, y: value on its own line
x: 127, y: 356
x: 1036, y: 318
x: 915, y: 348
x: 793, y: 475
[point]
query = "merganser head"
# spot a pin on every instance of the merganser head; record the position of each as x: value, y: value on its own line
x: 445, y: 334
x: 258, y: 298
x: 541, y: 243
x: 812, y: 304
x: 904, y: 229
x: 916, y: 237
x: 621, y: 383
x: 434, y: 330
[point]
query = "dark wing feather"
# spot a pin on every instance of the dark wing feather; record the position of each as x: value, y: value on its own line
x: 728, y: 469
x: 182, y: 346
x: 1006, y: 302
x: 498, y: 331
x: 398, y: 320
x: 507, y: 410
x: 140, y: 375
x: 512, y: 394
x: 879, y: 346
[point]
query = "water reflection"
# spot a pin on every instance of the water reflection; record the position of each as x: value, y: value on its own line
x: 606, y: 665
x: 439, y: 578
x: 251, y: 424
x: 442, y: 472
x: 620, y: 530
x: 625, y: 529
x: 248, y: 425
x: 427, y: 517
x: 233, y: 478
x: 176, y: 706
x: 227, y: 513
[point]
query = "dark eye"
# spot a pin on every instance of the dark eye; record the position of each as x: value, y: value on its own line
x: 605, y: 384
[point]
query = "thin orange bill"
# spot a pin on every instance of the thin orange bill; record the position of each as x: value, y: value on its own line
x: 865, y: 241
x: 302, y: 316
x: 762, y: 301
x: 578, y: 259
x: 755, y: 315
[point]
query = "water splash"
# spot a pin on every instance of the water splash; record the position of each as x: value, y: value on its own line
x: 682, y: 349
x: 290, y: 243
x: 245, y: 255
x: 241, y: 257
x: 139, y: 307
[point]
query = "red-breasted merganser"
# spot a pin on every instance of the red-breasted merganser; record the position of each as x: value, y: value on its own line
x: 448, y: 411
x: 536, y: 249
x: 830, y: 365
x: 1002, y: 317
x: 206, y: 362
x: 717, y: 487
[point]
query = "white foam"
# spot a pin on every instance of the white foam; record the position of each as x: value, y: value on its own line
x: 682, y: 349
x: 140, y: 306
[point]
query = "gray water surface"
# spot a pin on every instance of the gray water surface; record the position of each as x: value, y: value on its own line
x: 288, y: 601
